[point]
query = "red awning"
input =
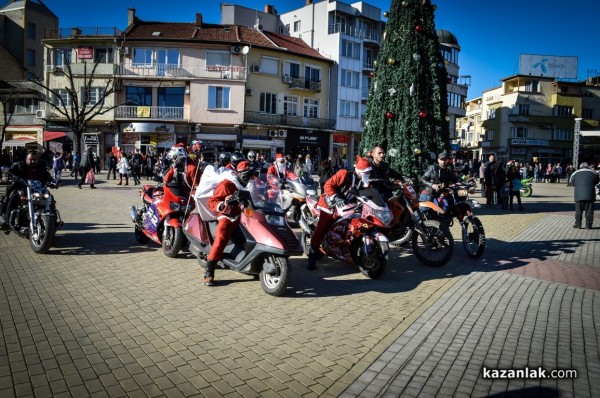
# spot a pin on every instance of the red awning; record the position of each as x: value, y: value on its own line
x: 52, y: 135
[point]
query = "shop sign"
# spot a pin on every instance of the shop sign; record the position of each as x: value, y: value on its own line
x: 85, y: 52
x: 90, y: 139
x: 308, y: 139
x: 341, y: 138
x: 518, y: 151
x: 148, y: 127
x: 129, y: 138
x: 520, y: 141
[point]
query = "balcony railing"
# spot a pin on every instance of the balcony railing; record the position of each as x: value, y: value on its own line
x: 150, y: 112
x: 368, y: 63
x: 271, y: 119
x: 52, y: 33
x: 366, y: 34
x: 79, y: 67
x: 301, y: 82
x: 182, y: 71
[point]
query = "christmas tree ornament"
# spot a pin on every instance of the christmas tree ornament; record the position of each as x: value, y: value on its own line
x: 391, y: 61
x: 384, y: 34
x: 390, y: 115
x: 392, y: 91
x: 386, y: 14
x: 393, y: 152
x: 371, y: 74
x: 416, y: 57
x: 374, y: 63
x: 404, y: 4
x: 411, y: 89
x: 419, y: 28
x: 422, y: 114
x: 417, y: 151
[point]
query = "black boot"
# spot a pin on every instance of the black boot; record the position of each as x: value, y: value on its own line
x: 312, y: 259
x: 209, y: 274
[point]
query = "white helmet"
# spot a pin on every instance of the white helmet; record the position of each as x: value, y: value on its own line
x: 177, y: 154
x: 251, y: 156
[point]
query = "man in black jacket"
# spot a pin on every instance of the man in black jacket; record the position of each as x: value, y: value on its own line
x: 29, y: 169
x: 438, y: 176
x: 584, y: 180
x: 381, y: 170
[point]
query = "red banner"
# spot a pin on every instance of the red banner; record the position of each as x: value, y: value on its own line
x: 85, y: 52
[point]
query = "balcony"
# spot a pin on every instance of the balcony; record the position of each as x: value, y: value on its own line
x: 302, y: 83
x: 79, y: 68
x: 61, y: 33
x: 150, y: 112
x: 181, y: 71
x: 369, y: 64
x: 272, y: 119
x: 349, y: 30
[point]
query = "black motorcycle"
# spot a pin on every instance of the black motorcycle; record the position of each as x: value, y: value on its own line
x: 36, y: 217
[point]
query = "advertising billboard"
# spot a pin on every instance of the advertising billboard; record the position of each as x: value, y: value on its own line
x: 548, y: 66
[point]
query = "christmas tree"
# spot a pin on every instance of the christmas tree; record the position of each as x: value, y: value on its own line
x: 407, y: 104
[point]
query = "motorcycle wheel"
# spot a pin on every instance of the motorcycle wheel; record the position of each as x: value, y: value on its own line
x: 404, y: 237
x: 441, y: 244
x: 42, y: 237
x: 374, y: 264
x: 139, y: 235
x: 172, y: 240
x: 306, y: 245
x: 275, y: 283
x: 473, y: 237
x: 526, y: 191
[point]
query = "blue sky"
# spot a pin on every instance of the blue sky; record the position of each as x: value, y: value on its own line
x: 492, y: 35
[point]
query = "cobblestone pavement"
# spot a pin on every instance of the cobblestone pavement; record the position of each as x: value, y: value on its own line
x: 102, y: 315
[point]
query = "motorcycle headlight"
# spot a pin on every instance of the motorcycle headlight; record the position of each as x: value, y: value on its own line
x: 384, y: 215
x: 275, y: 220
x: 311, y: 192
x: 36, y: 195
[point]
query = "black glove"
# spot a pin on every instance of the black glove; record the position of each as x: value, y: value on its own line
x: 339, y: 201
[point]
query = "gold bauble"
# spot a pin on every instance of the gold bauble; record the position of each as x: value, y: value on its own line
x: 391, y: 61
x: 417, y: 151
x: 386, y: 14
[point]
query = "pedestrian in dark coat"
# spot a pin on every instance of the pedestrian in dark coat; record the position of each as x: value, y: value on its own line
x: 584, y: 181
x: 87, y: 164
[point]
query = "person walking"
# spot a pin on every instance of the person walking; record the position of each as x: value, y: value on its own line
x: 76, y: 165
x: 112, y: 166
x: 584, y: 181
x: 58, y: 164
x: 569, y: 170
x: 123, y: 168
x: 87, y: 164
x: 514, y: 185
x: 136, y: 166
x: 491, y: 168
x: 308, y: 166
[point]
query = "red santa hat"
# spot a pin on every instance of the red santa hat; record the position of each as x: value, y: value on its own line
x: 279, y: 156
x: 362, y: 165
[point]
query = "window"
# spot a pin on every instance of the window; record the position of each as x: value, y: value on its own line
x: 349, y: 78
x: 138, y: 96
x: 290, y: 105
x: 531, y: 86
x: 169, y: 56
x: 62, y: 56
x: 587, y: 113
x: 269, y: 65
x: 565, y: 111
x: 350, y: 49
x: 218, y: 58
x: 103, y: 55
x: 26, y: 105
x: 31, y: 30
x: 491, y: 114
x: 456, y: 100
x: 523, y: 109
x: 348, y: 109
x: 519, y: 132
x: 287, y: 28
x: 311, y: 75
x: 297, y: 26
x: 218, y: 97
x: 62, y: 98
x: 489, y: 135
x: 562, y: 135
x: 30, y: 57
x: 92, y: 96
x: 311, y: 108
x: 142, y: 57
x: 268, y: 102
x: 171, y: 96
x: 292, y: 69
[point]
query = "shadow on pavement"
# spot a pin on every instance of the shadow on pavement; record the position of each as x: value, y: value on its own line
x: 537, y: 391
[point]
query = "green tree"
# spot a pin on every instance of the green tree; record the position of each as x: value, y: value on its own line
x: 407, y: 104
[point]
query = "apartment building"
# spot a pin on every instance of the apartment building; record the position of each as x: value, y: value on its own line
x: 469, y: 130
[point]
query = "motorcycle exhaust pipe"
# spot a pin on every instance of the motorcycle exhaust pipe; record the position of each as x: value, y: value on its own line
x: 133, y: 213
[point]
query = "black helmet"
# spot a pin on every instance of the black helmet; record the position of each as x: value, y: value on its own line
x: 223, y: 159
x: 245, y: 171
x: 237, y: 157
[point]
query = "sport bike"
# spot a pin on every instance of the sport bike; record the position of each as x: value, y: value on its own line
x: 526, y: 187
x: 36, y: 217
x: 161, y: 216
x: 355, y: 236
x: 260, y: 246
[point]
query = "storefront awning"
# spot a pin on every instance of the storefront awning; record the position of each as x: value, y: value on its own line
x: 18, y: 142
x: 53, y: 135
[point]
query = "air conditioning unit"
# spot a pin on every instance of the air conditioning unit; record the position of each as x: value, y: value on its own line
x: 226, y: 74
x: 40, y: 114
x: 287, y: 79
x: 273, y: 133
x: 282, y: 133
x: 249, y: 91
x: 255, y: 68
x: 124, y: 50
x: 236, y: 49
x: 58, y: 69
x: 194, y: 129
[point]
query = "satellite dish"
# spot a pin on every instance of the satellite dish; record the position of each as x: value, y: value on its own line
x: 245, y: 50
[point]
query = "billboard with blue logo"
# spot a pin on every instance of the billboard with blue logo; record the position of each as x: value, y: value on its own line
x: 548, y: 66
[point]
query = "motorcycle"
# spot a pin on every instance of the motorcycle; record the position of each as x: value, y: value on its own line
x: 526, y: 187
x: 293, y: 196
x: 455, y: 202
x: 354, y: 236
x: 260, y: 246
x: 160, y: 218
x: 36, y: 218
x: 431, y: 240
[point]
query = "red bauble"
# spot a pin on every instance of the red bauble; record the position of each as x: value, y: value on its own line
x: 372, y: 74
x: 419, y: 28
x: 422, y: 114
x: 390, y: 115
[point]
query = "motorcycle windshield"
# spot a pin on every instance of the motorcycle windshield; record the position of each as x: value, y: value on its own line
x: 374, y: 196
x: 265, y: 196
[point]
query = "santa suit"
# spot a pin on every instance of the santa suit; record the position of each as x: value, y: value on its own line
x: 228, y: 216
x: 192, y: 175
x: 339, y: 184
x: 274, y: 172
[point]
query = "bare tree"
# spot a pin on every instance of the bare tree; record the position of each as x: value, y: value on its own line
x: 77, y: 107
x: 7, y: 100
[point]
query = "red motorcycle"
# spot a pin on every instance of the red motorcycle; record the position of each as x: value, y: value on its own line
x: 354, y: 237
x: 161, y: 216
x: 260, y: 246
